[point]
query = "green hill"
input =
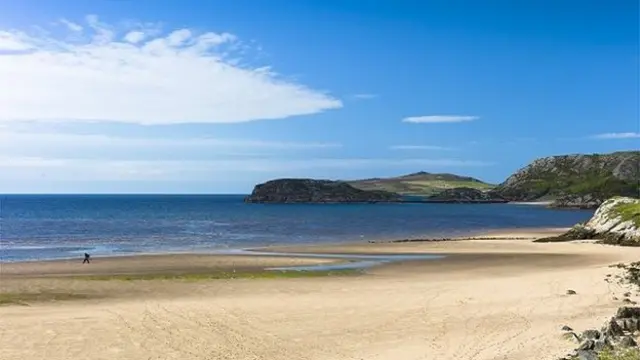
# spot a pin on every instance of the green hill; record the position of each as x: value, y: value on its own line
x: 420, y: 183
x: 576, y: 180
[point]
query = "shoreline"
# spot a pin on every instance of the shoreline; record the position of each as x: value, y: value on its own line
x: 487, y: 299
x: 486, y: 234
x: 285, y: 257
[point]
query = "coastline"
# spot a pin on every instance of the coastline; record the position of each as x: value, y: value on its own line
x: 486, y: 234
x: 532, y: 203
x: 487, y: 299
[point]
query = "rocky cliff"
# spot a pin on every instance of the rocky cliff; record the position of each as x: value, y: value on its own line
x: 315, y: 191
x: 617, y: 221
x: 466, y: 195
x: 582, y: 181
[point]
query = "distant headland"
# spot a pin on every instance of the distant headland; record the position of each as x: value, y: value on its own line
x: 572, y: 181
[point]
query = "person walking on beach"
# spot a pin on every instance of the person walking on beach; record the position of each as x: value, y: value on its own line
x: 86, y: 258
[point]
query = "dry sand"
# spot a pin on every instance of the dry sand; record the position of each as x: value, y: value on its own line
x: 490, y: 299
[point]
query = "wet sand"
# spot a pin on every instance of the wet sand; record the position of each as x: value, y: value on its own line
x: 487, y: 299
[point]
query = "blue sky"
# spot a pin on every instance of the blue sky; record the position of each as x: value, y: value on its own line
x: 213, y: 97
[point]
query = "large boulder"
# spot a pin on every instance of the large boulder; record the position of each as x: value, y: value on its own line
x: 616, y: 337
x: 315, y: 191
x: 616, y: 221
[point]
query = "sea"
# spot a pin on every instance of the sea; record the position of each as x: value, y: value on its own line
x: 44, y: 227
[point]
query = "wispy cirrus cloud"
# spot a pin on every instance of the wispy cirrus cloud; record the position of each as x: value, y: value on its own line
x: 364, y: 96
x: 12, y: 41
x: 420, y: 147
x: 140, y: 74
x: 79, y: 169
x: 71, y: 25
x: 620, y: 135
x: 432, y: 119
x: 66, y: 145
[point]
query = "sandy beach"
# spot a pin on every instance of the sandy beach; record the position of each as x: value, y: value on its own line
x: 487, y: 299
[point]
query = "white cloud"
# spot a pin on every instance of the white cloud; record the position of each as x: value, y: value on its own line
x: 13, y: 41
x: 102, y: 146
x: 71, y: 25
x: 29, y: 168
x: 624, y: 135
x: 145, y: 77
x: 419, y: 147
x: 365, y: 96
x: 430, y: 119
x: 134, y: 37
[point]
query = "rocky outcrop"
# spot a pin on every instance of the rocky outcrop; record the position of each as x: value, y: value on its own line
x: 315, y: 191
x: 577, y: 201
x: 617, y: 221
x: 618, y: 336
x: 582, y: 181
x: 466, y: 195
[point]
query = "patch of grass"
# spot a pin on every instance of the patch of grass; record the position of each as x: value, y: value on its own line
x: 418, y: 187
x: 24, y: 298
x: 629, y: 212
x: 623, y: 354
x: 568, y: 179
x: 221, y: 275
x: 443, y: 184
x: 620, y: 354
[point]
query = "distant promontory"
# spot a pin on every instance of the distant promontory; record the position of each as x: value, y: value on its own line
x: 566, y: 181
x: 575, y: 181
x: 315, y: 191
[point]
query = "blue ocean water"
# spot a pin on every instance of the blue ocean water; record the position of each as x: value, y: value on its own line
x: 37, y: 227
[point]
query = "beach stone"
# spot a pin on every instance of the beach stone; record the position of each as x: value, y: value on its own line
x: 628, y: 312
x: 587, y: 355
x: 627, y: 341
x: 591, y: 334
x: 571, y: 292
x: 588, y: 344
x: 566, y: 328
x: 570, y: 335
x: 602, y: 344
x: 570, y: 356
x: 629, y: 324
x: 612, y: 328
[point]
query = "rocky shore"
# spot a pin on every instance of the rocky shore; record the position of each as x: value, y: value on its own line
x: 616, y: 221
x: 618, y: 338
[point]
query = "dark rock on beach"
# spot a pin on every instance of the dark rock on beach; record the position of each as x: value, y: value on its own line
x: 615, y: 336
x: 618, y: 337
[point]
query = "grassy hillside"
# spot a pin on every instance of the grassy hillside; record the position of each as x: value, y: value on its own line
x: 596, y: 176
x: 629, y: 212
x: 420, y: 184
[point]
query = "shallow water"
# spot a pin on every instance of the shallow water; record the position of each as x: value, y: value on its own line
x: 352, y: 261
x: 37, y: 227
